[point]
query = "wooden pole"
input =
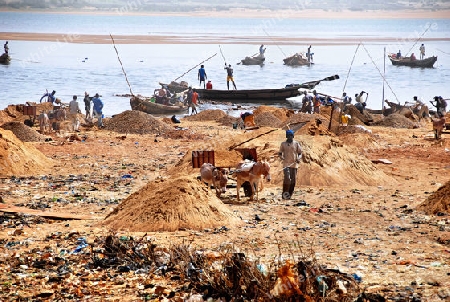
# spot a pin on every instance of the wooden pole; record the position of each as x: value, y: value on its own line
x: 123, y: 70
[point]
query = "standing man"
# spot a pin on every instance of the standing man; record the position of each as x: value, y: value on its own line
x: 309, y: 55
x: 87, y: 104
x: 422, y: 51
x: 291, y: 155
x: 262, y: 50
x: 202, y: 75
x: 6, y: 47
x: 74, y: 109
x: 229, y: 70
x: 97, y: 110
x: 194, y: 100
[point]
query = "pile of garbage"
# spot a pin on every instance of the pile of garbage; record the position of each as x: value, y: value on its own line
x: 78, y: 268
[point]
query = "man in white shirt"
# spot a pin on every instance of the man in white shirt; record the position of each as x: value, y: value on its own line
x: 74, y: 109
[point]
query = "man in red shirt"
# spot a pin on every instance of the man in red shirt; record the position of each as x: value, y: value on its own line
x: 209, y: 85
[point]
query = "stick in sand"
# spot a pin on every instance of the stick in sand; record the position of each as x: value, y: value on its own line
x: 123, y: 70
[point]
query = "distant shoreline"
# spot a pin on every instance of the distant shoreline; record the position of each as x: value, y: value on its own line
x: 263, y: 13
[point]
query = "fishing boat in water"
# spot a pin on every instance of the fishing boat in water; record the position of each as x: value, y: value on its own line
x: 5, y: 59
x: 412, y: 62
x: 250, y: 95
x: 260, y: 95
x: 297, y: 60
x: 148, y: 105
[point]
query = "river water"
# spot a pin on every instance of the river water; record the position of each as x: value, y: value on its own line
x: 73, y: 68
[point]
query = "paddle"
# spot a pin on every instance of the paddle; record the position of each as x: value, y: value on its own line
x: 250, y: 57
x: 312, y: 84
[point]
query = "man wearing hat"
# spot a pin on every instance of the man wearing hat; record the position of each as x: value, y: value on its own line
x: 97, y: 110
x: 291, y: 155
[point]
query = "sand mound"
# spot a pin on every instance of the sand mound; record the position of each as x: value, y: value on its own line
x: 171, y: 205
x: 327, y: 161
x: 437, y: 202
x: 396, y: 121
x: 207, y: 115
x: 281, y: 114
x: 267, y: 119
x: 23, y: 132
x: 136, y: 122
x: 17, y: 158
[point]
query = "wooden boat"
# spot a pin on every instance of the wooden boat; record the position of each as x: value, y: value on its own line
x: 255, y: 60
x: 250, y: 94
x: 297, y: 60
x: 261, y: 95
x: 5, y: 59
x: 146, y: 105
x: 406, y: 61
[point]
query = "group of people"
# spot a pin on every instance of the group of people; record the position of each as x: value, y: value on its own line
x: 413, y: 56
x: 74, y: 107
x: 311, y: 102
x: 202, y: 76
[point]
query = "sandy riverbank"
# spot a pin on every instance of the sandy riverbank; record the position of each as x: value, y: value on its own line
x: 351, y: 211
x: 185, y: 39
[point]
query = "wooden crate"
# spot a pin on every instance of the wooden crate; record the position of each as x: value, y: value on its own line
x: 201, y: 157
x: 29, y: 110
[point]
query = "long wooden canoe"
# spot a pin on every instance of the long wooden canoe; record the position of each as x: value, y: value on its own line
x: 249, y: 94
x: 147, y: 106
x: 406, y: 61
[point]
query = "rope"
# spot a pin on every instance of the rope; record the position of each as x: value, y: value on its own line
x: 222, y: 54
x: 419, y: 39
x: 274, y: 43
x: 350, y: 68
x: 196, y: 66
x: 447, y: 53
x: 379, y: 71
x: 123, y: 70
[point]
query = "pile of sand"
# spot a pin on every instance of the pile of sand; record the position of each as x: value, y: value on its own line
x: 281, y: 114
x: 396, y: 121
x: 170, y: 205
x: 267, y: 119
x: 437, y: 202
x: 136, y: 122
x: 23, y: 132
x: 327, y: 161
x: 18, y: 158
x: 207, y: 115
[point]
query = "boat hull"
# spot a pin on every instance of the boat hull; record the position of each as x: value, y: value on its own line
x: 145, y: 105
x: 253, y: 61
x: 296, y: 60
x: 425, y: 63
x: 251, y: 95
x: 5, y: 59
